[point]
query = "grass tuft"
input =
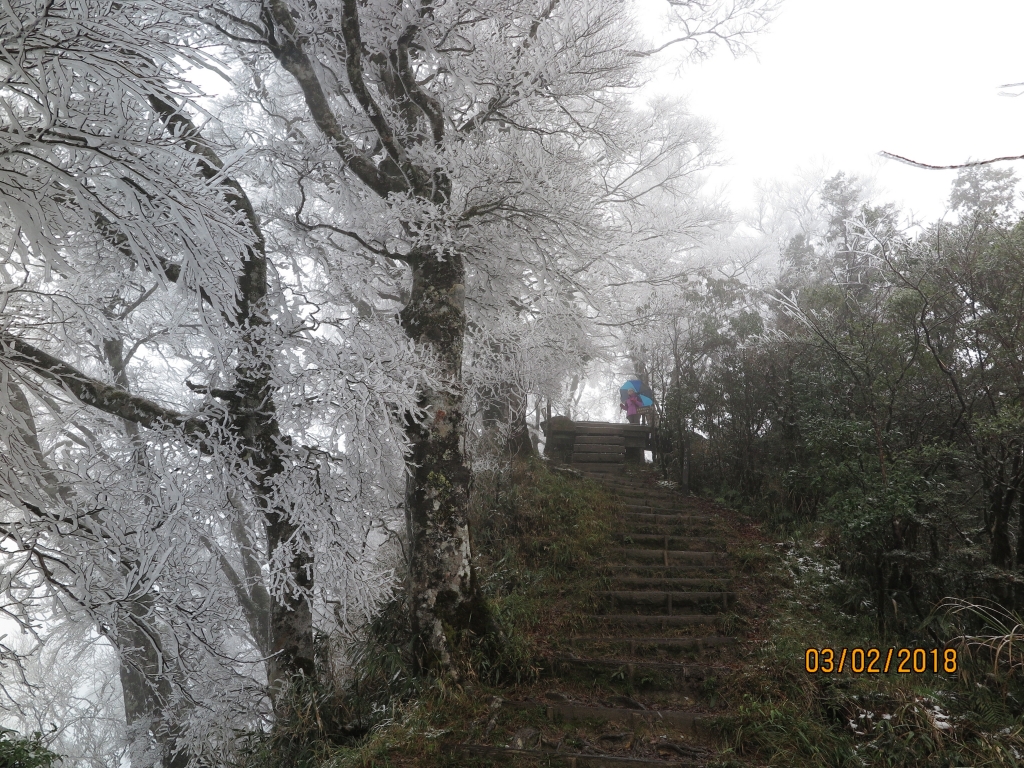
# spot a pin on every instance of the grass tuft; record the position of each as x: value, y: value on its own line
x: 780, y: 715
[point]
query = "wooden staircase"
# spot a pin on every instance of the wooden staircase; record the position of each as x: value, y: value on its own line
x: 629, y: 681
x: 597, y: 447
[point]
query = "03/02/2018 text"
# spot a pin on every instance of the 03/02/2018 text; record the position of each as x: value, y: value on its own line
x: 874, y: 661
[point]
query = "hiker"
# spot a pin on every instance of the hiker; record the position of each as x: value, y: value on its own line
x: 632, y: 407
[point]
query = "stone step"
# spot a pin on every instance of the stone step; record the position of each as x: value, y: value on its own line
x: 571, y: 759
x: 665, y: 598
x: 667, y: 556
x: 670, y: 542
x: 713, y: 586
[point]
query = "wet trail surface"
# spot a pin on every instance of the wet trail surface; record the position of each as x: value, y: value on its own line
x: 631, y: 681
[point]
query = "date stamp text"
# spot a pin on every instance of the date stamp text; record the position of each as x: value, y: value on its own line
x: 880, y: 661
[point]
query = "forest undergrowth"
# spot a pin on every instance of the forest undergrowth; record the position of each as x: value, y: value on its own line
x: 536, y: 532
x: 863, y: 405
x: 782, y: 715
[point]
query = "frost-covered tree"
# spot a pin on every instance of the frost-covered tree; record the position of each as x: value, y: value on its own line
x: 182, y: 427
x: 234, y: 328
x: 464, y: 141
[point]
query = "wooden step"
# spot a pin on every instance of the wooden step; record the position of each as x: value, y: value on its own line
x: 598, y: 457
x: 676, y: 570
x: 677, y: 669
x: 641, y: 483
x: 603, y: 431
x: 598, y: 450
x: 680, y: 643
x: 568, y: 710
x: 600, y: 439
x: 665, y: 515
x: 634, y: 520
x: 599, y: 467
x: 669, y: 541
x: 666, y: 512
x: 588, y: 448
x: 651, y: 498
x: 654, y: 582
x: 708, y: 531
x: 686, y: 721
x: 622, y: 490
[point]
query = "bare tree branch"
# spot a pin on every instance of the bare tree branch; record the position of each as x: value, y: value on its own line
x: 95, y: 393
x: 284, y: 43
x: 971, y: 164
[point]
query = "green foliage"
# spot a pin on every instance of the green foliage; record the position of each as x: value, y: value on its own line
x: 780, y: 715
x: 782, y: 730
x: 984, y: 190
x: 19, y: 752
x: 532, y: 528
x: 879, y: 410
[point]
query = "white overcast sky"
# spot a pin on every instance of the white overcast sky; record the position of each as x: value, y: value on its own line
x: 834, y: 82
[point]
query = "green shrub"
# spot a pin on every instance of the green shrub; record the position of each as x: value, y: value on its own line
x: 19, y: 752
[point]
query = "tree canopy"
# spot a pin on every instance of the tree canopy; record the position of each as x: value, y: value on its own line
x: 270, y: 269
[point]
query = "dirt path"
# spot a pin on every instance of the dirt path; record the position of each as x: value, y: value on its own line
x: 632, y: 682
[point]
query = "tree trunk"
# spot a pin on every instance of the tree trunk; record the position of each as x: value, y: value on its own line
x: 146, y: 688
x: 1001, y: 494
x: 1000, y: 531
x: 684, y: 459
x: 144, y: 672
x: 505, y: 415
x: 442, y: 587
x: 291, y: 618
x: 146, y: 691
x: 519, y: 444
x: 254, y: 415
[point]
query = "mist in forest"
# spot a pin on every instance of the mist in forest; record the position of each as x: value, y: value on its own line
x: 284, y: 285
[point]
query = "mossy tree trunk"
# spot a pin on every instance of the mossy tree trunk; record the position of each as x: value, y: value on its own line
x: 409, y: 124
x: 441, y: 584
